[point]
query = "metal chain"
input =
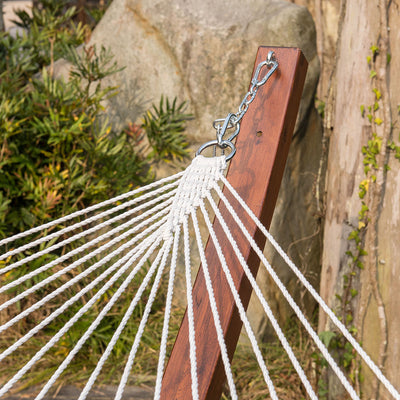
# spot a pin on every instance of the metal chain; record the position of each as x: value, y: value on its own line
x: 232, y: 121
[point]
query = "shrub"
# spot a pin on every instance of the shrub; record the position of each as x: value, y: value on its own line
x: 59, y: 153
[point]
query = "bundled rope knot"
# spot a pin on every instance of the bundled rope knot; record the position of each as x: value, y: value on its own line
x: 197, y: 181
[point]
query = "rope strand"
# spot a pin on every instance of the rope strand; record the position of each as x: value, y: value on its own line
x: 95, y: 207
x: 291, y: 301
x: 214, y: 309
x: 69, y: 324
x: 59, y: 260
x: 189, y: 296
x: 164, y: 254
x: 264, y: 303
x: 157, y: 224
x: 78, y: 295
x: 240, y: 306
x: 122, y: 325
x: 374, y: 368
x: 98, y: 319
x: 167, y: 315
x: 72, y: 238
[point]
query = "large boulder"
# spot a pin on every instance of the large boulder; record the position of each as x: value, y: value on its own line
x: 203, y: 52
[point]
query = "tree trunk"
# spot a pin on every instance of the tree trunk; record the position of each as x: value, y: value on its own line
x: 361, y: 256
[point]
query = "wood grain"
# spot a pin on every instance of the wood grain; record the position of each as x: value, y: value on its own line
x: 256, y: 173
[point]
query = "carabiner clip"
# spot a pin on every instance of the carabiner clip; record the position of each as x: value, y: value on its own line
x: 270, y: 63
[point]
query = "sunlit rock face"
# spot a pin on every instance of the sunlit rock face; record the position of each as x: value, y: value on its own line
x: 200, y: 51
x: 203, y: 52
x: 9, y: 8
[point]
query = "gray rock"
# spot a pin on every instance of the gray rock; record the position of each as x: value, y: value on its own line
x: 203, y: 51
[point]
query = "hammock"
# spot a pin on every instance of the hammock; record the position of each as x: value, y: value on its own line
x: 144, y: 233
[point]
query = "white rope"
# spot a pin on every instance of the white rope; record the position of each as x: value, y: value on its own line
x: 97, y: 321
x: 121, y: 326
x: 214, y: 310
x: 167, y: 315
x: 239, y: 305
x: 162, y: 214
x: 92, y: 327
x: 190, y: 313
x: 193, y: 186
x: 146, y: 243
x: 71, y: 282
x: 291, y: 301
x: 164, y: 209
x: 264, y: 302
x: 93, y: 208
x: 200, y: 177
x: 374, y: 368
x: 137, y: 252
x: 143, y: 321
x: 75, y: 237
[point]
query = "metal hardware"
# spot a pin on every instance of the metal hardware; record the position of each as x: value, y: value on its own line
x: 223, y: 145
x: 229, y: 123
x: 232, y: 121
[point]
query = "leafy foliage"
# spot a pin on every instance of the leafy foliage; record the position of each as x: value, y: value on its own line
x: 49, y: 31
x: 58, y: 153
x: 96, y: 12
x: 165, y: 125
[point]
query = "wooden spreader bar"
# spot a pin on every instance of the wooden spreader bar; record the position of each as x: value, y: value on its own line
x: 256, y: 173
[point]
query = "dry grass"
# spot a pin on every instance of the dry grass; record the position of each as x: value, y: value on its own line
x: 87, y: 358
x: 248, y: 377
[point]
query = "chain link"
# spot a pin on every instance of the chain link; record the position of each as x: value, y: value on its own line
x: 232, y: 121
x: 269, y: 63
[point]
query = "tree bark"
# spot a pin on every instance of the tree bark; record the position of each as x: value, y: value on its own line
x: 359, y: 276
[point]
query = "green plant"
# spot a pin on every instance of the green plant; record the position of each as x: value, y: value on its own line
x: 164, y: 126
x: 356, y: 253
x: 49, y: 31
x: 320, y: 106
x: 395, y: 148
x: 96, y: 12
x: 58, y: 153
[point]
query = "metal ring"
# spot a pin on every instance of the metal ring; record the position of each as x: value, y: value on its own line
x: 223, y: 145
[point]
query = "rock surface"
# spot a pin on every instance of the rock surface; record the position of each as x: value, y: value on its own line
x: 203, y: 51
x: 199, y: 51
